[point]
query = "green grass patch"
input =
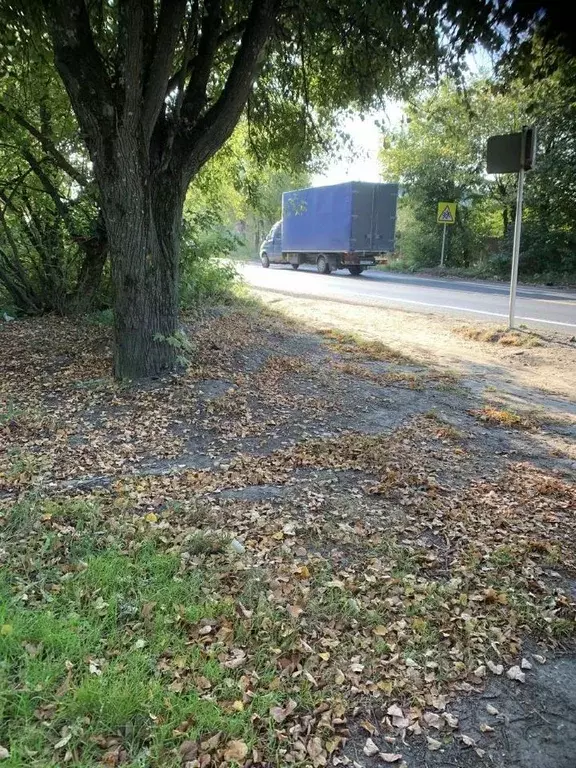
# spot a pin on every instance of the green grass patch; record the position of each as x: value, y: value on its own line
x: 110, y: 651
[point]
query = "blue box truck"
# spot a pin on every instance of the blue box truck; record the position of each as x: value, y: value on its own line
x: 343, y: 226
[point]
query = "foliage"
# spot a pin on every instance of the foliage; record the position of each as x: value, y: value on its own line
x: 158, y: 89
x: 439, y: 154
x: 52, y: 240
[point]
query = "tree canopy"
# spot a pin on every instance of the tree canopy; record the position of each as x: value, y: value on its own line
x: 439, y: 153
x: 158, y: 86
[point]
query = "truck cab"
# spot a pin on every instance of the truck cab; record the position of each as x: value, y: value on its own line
x: 271, y: 248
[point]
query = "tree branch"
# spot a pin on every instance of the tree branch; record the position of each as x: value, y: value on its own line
x: 83, y: 72
x: 198, y: 143
x: 195, y: 95
x: 48, y: 146
x: 170, y: 20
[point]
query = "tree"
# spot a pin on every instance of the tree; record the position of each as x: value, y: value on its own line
x: 158, y: 86
x: 52, y: 236
x: 439, y: 153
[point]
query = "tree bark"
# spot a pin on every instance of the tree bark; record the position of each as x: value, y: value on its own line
x: 143, y: 214
x: 95, y: 250
x: 146, y: 148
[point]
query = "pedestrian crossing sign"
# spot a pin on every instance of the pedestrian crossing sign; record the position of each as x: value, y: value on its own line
x: 446, y: 213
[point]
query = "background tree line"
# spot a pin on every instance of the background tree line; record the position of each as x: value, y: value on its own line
x: 439, y: 153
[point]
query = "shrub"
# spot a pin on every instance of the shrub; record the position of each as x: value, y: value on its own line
x: 207, y: 277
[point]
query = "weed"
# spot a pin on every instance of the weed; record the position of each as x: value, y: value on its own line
x: 358, y: 346
x: 104, y: 317
x: 502, y: 336
x: 502, y: 417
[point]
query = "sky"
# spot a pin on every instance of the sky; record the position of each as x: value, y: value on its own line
x: 361, y: 160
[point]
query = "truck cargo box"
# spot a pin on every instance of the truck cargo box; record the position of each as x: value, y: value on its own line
x: 342, y: 218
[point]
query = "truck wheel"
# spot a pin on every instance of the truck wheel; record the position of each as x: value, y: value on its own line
x: 355, y: 269
x: 323, y: 265
x: 265, y: 260
x: 295, y: 266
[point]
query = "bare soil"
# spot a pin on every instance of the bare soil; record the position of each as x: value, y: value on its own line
x: 320, y: 456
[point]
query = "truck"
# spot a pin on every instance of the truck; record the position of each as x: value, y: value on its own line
x: 343, y: 226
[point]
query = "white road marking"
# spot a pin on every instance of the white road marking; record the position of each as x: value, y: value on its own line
x: 466, y: 309
x: 375, y: 298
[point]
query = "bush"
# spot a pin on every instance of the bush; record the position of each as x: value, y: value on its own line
x: 207, y: 277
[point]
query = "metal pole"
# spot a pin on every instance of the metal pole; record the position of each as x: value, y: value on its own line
x: 443, y: 244
x: 516, y: 246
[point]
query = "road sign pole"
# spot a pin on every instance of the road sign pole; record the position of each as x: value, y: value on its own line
x: 516, y: 246
x: 443, y: 245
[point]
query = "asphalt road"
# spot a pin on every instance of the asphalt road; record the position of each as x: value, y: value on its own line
x: 535, y: 306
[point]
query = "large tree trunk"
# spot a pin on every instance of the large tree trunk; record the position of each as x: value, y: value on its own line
x: 143, y: 219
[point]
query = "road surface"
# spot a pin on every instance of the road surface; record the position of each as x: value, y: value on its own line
x: 535, y: 306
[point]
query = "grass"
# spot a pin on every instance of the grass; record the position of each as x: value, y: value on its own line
x: 501, y: 336
x: 104, y: 653
x: 445, y: 431
x: 502, y: 417
x: 358, y: 346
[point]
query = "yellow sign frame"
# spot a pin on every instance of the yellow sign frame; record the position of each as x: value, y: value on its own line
x: 446, y: 213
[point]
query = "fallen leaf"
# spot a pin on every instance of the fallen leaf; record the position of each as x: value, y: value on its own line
x: 525, y: 664
x: 235, y: 751
x: 370, y: 748
x: 316, y: 751
x: 380, y: 630
x: 211, y: 743
x: 238, y: 658
x: 433, y: 720
x: 468, y: 740
x: 497, y: 669
x: 294, y: 610
x: 390, y: 757
x: 480, y: 671
x: 394, y: 711
x: 188, y: 751
x: 280, y: 714
x: 339, y: 677
x: 6, y: 629
x: 515, y: 673
x: 151, y: 518
x: 491, y: 710
x: 485, y: 728
x: 433, y: 744
x: 452, y: 720
x: 238, y: 706
x: 63, y: 741
x: 367, y: 726
x: 540, y: 659
x: 4, y: 753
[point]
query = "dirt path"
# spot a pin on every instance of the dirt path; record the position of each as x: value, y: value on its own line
x: 378, y: 552
x: 527, y: 375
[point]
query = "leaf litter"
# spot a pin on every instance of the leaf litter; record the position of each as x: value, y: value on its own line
x: 376, y: 584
